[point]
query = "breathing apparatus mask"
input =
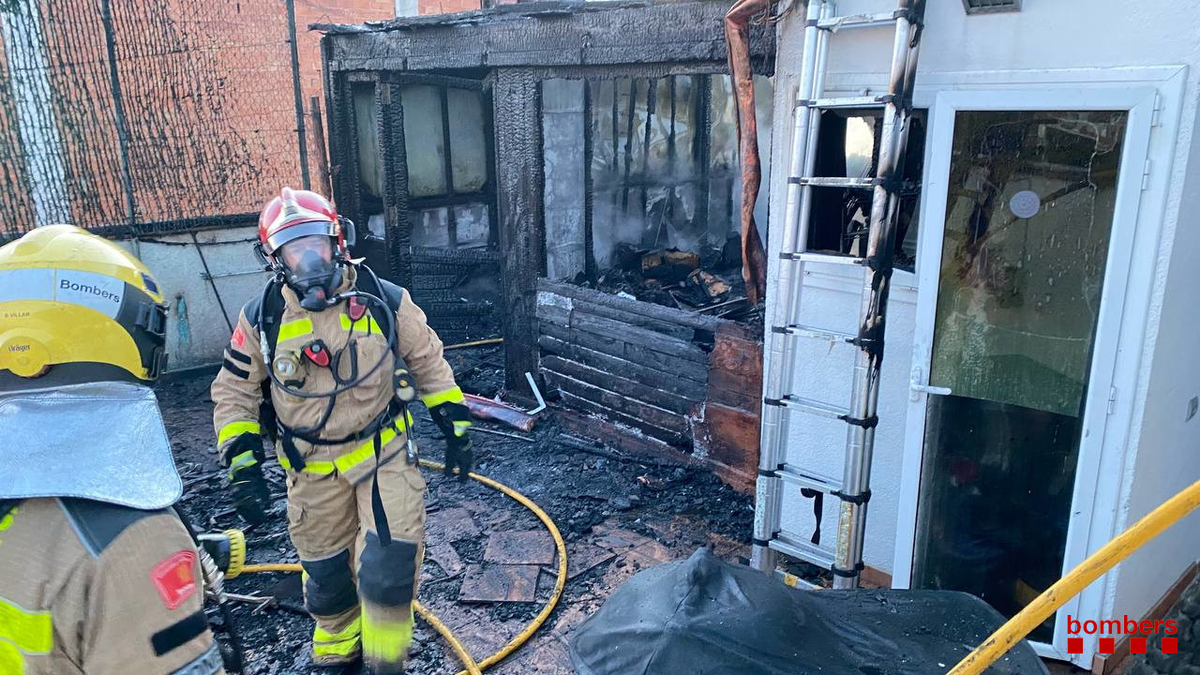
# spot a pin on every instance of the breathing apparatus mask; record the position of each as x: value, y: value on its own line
x: 310, y: 269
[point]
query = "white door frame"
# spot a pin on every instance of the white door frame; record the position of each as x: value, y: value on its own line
x: 1140, y: 102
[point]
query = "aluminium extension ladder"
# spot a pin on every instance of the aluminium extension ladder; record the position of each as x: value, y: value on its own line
x: 845, y: 561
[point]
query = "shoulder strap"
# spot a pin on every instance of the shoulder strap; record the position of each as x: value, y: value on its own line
x: 270, y: 303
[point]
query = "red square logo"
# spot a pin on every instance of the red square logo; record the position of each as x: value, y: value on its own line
x: 1137, y: 645
x: 1074, y: 645
x: 239, y: 337
x: 175, y: 578
x: 1106, y: 645
x: 1170, y: 645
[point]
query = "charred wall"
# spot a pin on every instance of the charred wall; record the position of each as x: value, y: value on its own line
x: 512, y: 53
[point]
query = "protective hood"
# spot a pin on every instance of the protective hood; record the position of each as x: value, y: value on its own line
x: 103, y: 441
x: 704, y: 615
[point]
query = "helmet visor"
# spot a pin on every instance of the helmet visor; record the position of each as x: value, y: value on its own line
x: 290, y: 232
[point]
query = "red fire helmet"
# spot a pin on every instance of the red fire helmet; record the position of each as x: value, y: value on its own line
x: 298, y: 213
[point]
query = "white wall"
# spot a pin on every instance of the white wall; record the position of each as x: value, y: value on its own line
x: 1161, y: 451
x: 196, y: 330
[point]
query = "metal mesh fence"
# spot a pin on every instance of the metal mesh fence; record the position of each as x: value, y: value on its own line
x: 146, y: 116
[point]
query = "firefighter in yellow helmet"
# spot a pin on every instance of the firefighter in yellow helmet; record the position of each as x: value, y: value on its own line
x: 339, y: 353
x: 97, y: 574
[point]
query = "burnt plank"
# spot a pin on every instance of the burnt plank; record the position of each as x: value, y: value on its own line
x: 516, y: 96
x: 650, y: 414
x: 681, y: 386
x: 612, y: 382
x: 639, y: 337
x: 632, y: 315
x: 607, y: 344
x: 555, y: 314
x: 645, y: 309
x: 586, y: 405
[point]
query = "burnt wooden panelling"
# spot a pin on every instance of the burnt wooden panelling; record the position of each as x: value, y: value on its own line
x: 615, y: 346
x: 688, y: 388
x: 519, y: 174
x: 682, y: 378
x: 618, y: 383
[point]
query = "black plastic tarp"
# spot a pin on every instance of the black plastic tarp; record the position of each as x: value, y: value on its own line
x: 704, y: 615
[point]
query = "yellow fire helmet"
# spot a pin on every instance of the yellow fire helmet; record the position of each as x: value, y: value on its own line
x: 75, y: 307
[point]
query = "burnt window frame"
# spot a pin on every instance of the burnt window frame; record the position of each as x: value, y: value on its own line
x: 830, y: 205
x: 486, y: 194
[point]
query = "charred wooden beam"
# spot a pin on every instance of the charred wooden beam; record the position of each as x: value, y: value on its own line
x: 520, y: 192
x: 393, y: 158
x: 543, y: 34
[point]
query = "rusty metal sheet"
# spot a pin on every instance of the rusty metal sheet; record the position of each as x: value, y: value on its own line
x: 499, y: 583
x: 534, y: 547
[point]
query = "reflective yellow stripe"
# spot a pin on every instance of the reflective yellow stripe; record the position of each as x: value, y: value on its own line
x: 235, y: 429
x: 344, y: 643
x: 243, y: 460
x: 350, y: 459
x: 367, y: 450
x: 319, y: 468
x: 365, y: 324
x: 30, y: 632
x: 460, y: 428
x: 11, y: 660
x: 451, y: 395
x: 295, y: 329
x: 384, y: 640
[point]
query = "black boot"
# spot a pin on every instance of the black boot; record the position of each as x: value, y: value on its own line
x: 351, y: 668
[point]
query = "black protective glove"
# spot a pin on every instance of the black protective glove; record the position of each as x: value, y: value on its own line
x: 453, y: 419
x: 244, y: 456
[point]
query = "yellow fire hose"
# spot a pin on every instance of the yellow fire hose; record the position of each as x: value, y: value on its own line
x: 1077, y: 579
x: 471, y: 667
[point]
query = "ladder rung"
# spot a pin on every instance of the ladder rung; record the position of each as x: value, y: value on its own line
x: 814, y: 407
x: 858, y: 21
x: 835, y: 182
x: 800, y: 330
x: 802, y: 549
x: 843, y: 102
x: 824, y: 258
x: 792, y: 475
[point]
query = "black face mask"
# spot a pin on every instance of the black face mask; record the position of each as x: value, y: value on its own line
x: 314, y: 279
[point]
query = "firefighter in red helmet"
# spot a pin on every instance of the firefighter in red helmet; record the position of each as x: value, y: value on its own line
x: 338, y: 353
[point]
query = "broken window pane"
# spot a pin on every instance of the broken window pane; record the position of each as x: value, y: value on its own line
x: 431, y: 228
x: 848, y: 146
x: 423, y: 140
x: 563, y: 124
x: 468, y: 149
x: 472, y: 225
x: 665, y: 168
x: 367, y: 137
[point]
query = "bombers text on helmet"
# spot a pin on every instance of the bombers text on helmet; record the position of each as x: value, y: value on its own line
x: 76, y: 308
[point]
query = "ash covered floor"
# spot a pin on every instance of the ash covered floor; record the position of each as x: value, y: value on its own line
x: 617, y: 514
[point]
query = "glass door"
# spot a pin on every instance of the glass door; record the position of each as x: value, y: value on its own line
x: 1016, y: 332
